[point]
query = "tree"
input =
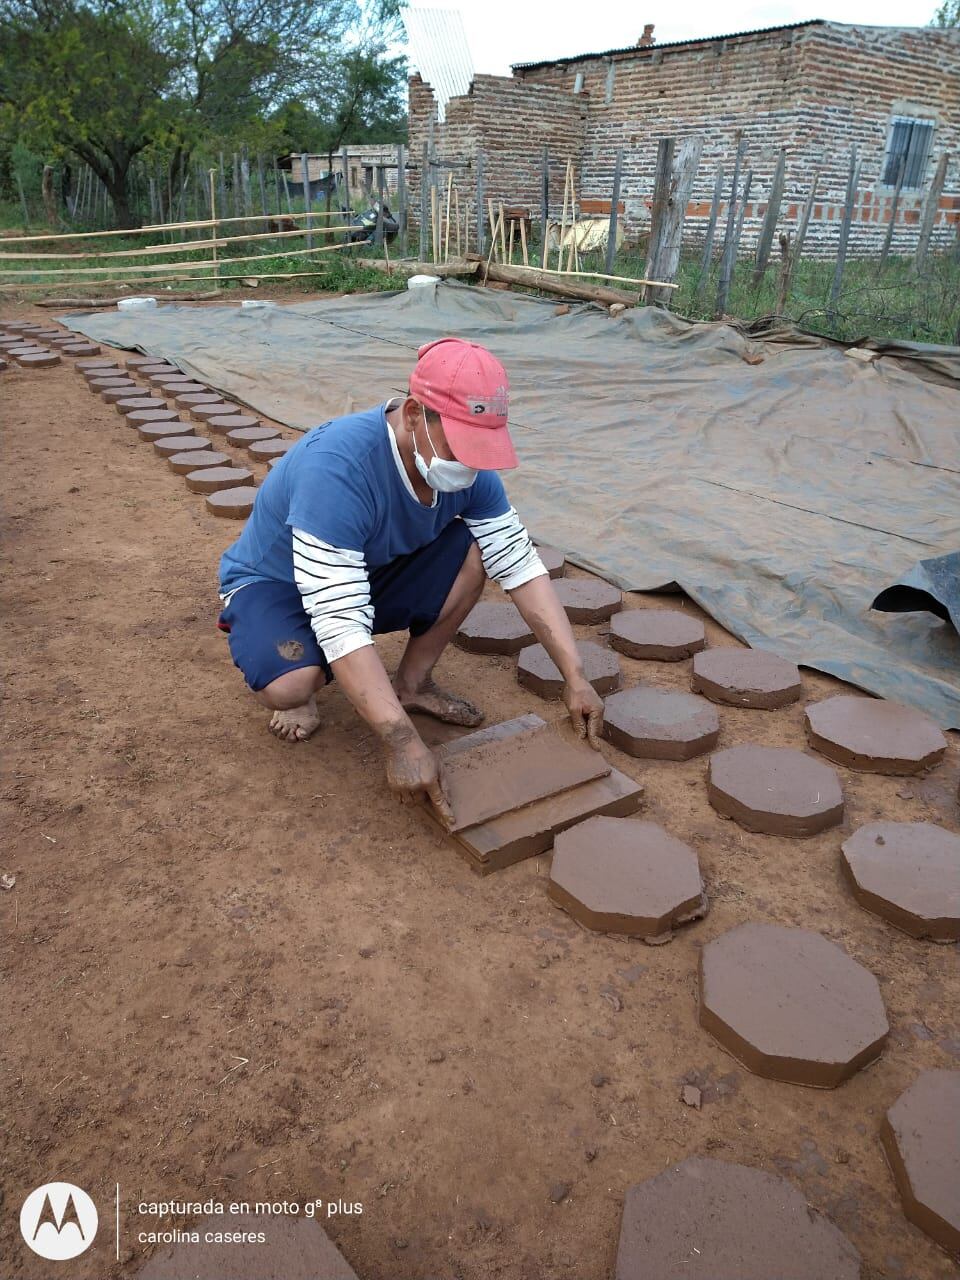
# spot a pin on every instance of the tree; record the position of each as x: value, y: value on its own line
x: 104, y: 80
x: 948, y: 15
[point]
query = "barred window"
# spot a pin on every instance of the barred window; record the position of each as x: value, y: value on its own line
x: 908, y: 145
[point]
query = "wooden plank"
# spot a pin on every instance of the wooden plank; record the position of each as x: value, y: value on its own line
x: 710, y: 233
x: 664, y: 256
x: 614, y: 209
x: 930, y: 207
x: 853, y: 180
x: 534, y: 278
x: 771, y: 217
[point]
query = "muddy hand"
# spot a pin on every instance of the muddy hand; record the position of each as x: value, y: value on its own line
x: 412, y: 771
x: 586, y: 711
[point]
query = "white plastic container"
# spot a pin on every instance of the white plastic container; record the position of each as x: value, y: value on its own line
x: 136, y: 304
x: 417, y: 282
x: 256, y: 304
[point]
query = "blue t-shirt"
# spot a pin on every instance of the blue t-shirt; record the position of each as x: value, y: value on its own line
x: 341, y: 484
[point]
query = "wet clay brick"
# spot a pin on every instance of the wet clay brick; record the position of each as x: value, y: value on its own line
x: 745, y: 678
x: 727, y: 1222
x: 665, y: 635
x: 775, y: 790
x: 194, y: 459
x: 536, y: 670
x: 873, y: 735
x: 167, y: 445
x: 554, y: 561
x: 588, y: 600
x: 791, y: 1005
x: 213, y: 479
x: 110, y: 395
x: 39, y: 359
x: 617, y: 875
x: 264, y: 450
x: 134, y: 402
x: 217, y: 409
x: 234, y: 504
x: 242, y: 437
x: 660, y: 724
x: 921, y: 1140
x: 151, y: 431
x: 491, y: 627
x: 187, y: 398
x: 79, y: 348
x: 908, y: 873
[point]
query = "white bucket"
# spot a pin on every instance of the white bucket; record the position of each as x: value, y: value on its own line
x: 416, y: 282
x: 135, y: 304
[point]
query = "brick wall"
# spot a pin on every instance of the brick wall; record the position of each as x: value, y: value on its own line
x: 814, y: 89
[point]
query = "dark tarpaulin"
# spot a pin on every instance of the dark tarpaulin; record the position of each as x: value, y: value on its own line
x: 780, y: 483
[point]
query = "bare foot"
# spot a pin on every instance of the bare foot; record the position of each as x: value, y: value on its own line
x: 297, y: 723
x: 448, y: 707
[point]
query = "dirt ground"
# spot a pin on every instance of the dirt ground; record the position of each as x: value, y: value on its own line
x: 238, y: 969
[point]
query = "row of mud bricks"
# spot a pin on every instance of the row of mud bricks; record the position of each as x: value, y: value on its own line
x: 141, y: 391
x: 788, y: 1003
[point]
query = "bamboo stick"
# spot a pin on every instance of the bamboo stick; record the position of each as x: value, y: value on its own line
x: 213, y: 214
x: 446, y: 234
x: 173, y: 266
x: 503, y: 235
x: 523, y: 241
x: 513, y: 226
x: 456, y: 218
x: 152, y: 227
x: 563, y: 217
x: 600, y: 275
x: 433, y: 223
x: 182, y: 246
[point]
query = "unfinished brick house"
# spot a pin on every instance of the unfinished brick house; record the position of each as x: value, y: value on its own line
x: 814, y: 88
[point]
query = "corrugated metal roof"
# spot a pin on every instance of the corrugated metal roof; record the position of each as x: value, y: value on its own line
x: 671, y: 44
x: 439, y: 50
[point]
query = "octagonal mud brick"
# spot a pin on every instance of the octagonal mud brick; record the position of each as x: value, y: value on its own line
x: 921, y: 1140
x: 73, y: 349
x: 129, y: 404
x: 150, y: 431
x: 745, y: 678
x: 108, y: 380
x: 554, y: 561
x: 243, y: 437
x: 222, y: 424
x: 660, y: 724
x: 138, y: 418
x: 62, y: 338
x: 194, y: 459
x: 617, y: 875
x: 181, y: 386
x: 537, y: 671
x: 39, y: 359
x: 665, y: 635
x: 96, y: 367
x: 48, y: 334
x: 158, y: 373
x: 908, y: 873
x: 213, y: 479
x: 187, y: 398
x: 110, y: 395
x: 873, y: 735
x: 213, y: 409
x: 234, y: 504
x: 137, y: 360
x: 265, y: 450
x: 777, y: 791
x: 791, y: 1005
x: 491, y: 627
x: 588, y: 600
x: 168, y: 445
x: 727, y: 1222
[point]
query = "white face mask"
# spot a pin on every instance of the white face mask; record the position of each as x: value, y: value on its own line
x: 441, y: 475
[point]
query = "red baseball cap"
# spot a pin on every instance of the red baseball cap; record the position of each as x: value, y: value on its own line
x: 468, y: 387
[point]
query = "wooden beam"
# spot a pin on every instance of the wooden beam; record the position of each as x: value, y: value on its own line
x: 853, y: 181
x: 930, y: 206
x: 614, y: 208
x: 663, y: 256
x: 771, y: 217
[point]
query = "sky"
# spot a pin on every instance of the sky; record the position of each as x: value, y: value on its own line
x: 503, y: 31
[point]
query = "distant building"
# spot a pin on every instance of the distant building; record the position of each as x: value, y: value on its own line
x: 814, y: 88
x: 362, y: 162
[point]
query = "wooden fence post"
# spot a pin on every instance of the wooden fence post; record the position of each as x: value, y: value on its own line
x: 481, y: 229
x: 213, y: 219
x: 614, y: 211
x: 402, y: 200
x: 346, y: 200
x: 928, y: 217
x: 263, y: 185
x: 424, y: 199
x: 378, y: 226
x: 544, y: 202
x: 770, y: 217
x: 726, y: 257
x: 895, y: 204
x: 675, y: 177
x: 305, y: 175
x: 853, y: 180
x: 710, y: 233
x: 793, y: 255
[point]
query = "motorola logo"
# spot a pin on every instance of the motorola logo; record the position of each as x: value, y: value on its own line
x: 58, y: 1221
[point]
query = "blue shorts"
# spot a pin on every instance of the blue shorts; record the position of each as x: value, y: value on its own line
x: 270, y: 633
